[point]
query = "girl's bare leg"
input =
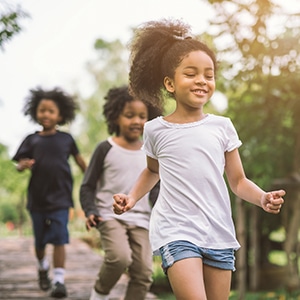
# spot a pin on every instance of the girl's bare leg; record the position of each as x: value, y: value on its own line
x: 217, y: 283
x: 186, y: 279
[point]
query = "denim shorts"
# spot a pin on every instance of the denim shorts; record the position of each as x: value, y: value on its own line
x: 50, y: 227
x: 178, y: 250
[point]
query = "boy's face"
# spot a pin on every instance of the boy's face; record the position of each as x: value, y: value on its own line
x: 132, y: 119
x: 48, y: 114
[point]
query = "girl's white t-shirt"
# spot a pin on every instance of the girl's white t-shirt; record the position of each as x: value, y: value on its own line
x: 193, y: 202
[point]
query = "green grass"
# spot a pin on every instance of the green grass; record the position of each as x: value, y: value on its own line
x: 274, y: 295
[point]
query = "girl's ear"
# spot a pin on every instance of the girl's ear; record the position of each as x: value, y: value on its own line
x: 169, y: 85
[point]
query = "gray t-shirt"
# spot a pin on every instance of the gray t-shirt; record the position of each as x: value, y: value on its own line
x: 117, y: 173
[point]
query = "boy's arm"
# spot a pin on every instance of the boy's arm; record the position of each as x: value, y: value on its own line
x: 88, y: 189
x: 91, y: 176
x: 80, y: 162
x: 153, y: 195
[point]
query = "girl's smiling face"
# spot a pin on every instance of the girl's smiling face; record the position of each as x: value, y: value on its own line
x: 194, y: 80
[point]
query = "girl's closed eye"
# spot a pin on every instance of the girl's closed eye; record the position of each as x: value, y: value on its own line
x: 190, y: 74
x: 210, y: 77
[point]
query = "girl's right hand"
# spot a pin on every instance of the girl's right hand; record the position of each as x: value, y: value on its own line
x: 272, y: 202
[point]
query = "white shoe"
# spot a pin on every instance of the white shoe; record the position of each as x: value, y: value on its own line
x: 97, y: 296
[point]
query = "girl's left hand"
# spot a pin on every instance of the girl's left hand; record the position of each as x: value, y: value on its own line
x: 272, y: 202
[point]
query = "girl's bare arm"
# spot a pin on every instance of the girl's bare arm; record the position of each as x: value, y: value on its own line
x: 246, y: 189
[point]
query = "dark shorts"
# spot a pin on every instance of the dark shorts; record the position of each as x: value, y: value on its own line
x: 178, y: 250
x: 50, y: 227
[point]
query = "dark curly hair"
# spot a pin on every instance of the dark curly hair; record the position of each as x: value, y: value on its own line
x: 157, y: 48
x: 65, y: 103
x: 115, y: 101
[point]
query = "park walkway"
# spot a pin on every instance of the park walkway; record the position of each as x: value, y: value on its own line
x: 18, y: 278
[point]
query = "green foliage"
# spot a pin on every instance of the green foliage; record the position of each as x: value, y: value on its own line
x: 8, y: 213
x: 10, y: 23
x: 260, y: 76
x: 109, y: 70
x: 260, y: 72
x: 267, y: 295
x: 8, y: 175
x: 12, y: 190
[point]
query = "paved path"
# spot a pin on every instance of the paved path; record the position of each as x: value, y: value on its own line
x: 18, y: 277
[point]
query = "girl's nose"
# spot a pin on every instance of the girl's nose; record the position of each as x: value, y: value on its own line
x: 200, y: 80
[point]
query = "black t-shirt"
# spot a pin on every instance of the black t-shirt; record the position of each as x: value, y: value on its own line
x: 51, y: 182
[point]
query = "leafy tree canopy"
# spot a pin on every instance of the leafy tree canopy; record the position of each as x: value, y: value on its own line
x: 259, y: 49
x: 10, y: 22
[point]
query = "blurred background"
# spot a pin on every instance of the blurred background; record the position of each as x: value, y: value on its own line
x: 81, y: 46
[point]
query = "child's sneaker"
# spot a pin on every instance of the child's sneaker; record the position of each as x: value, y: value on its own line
x: 44, y: 281
x: 59, y: 290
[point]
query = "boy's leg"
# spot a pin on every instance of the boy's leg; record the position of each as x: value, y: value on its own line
x: 38, y: 222
x: 58, y: 235
x: 117, y: 257
x: 40, y: 253
x: 38, y: 226
x: 59, y: 256
x: 43, y: 270
x: 140, y: 270
x: 43, y: 263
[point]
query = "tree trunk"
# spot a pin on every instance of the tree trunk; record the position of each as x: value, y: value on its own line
x: 254, y: 250
x: 291, y: 245
x: 241, y: 255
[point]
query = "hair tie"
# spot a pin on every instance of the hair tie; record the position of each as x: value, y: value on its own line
x: 182, y: 36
